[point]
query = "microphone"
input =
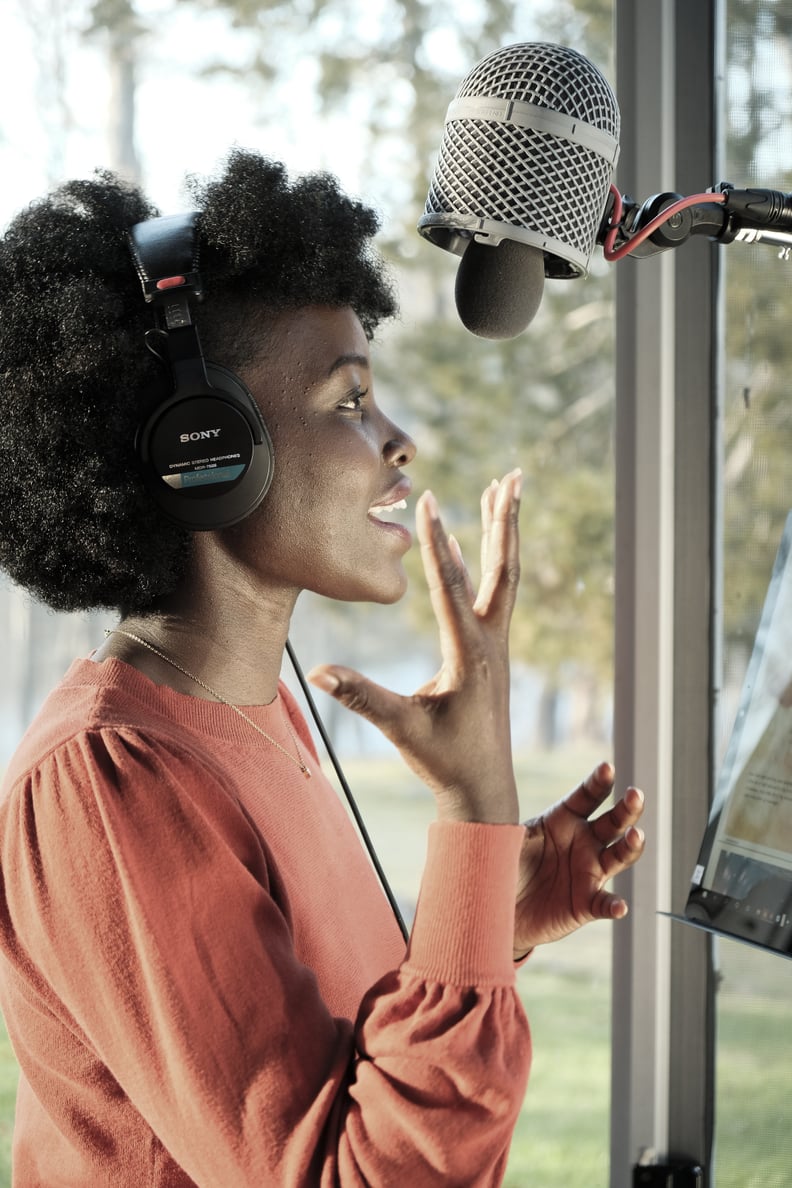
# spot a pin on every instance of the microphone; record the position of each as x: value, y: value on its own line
x: 522, y: 179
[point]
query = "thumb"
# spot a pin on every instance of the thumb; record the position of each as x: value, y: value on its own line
x: 378, y: 705
x: 607, y: 906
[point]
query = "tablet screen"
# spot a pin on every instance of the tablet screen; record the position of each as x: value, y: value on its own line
x: 742, y: 883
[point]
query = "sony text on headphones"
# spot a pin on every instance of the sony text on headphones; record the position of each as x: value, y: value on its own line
x: 205, y: 449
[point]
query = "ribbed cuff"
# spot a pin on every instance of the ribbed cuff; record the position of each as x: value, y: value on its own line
x: 464, y: 924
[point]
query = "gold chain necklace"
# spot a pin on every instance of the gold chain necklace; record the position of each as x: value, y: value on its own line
x: 298, y: 760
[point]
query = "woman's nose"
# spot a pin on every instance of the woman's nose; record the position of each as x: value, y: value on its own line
x: 399, y: 449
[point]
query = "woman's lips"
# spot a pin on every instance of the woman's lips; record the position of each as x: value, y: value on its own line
x: 378, y: 513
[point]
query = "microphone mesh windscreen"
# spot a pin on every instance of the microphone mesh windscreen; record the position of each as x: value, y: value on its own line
x: 528, y: 151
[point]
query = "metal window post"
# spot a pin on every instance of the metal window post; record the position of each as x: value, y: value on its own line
x: 664, y: 481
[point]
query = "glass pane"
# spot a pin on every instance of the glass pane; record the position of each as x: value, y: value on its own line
x: 753, y: 1112
x: 753, y: 1148
x: 543, y: 401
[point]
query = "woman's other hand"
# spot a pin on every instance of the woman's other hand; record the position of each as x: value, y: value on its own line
x: 569, y: 855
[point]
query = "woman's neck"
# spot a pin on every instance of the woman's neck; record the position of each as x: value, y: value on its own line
x: 223, y: 633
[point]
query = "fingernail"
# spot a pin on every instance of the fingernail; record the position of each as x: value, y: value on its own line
x: 508, y: 489
x: 431, y: 505
x: 517, y: 483
x: 324, y: 680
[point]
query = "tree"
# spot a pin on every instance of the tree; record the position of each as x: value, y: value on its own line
x: 118, y: 24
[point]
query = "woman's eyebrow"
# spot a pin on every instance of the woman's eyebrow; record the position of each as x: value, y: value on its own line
x: 343, y: 360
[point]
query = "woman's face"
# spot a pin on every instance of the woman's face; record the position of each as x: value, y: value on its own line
x: 324, y: 524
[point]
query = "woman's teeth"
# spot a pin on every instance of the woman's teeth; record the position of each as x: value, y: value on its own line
x: 386, y: 510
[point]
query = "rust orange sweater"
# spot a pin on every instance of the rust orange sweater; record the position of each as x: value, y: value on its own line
x: 202, y: 979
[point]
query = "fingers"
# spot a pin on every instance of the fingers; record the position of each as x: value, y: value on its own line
x: 450, y: 588
x: 456, y: 552
x: 609, y: 907
x: 378, y: 705
x: 614, y: 860
x: 487, y: 503
x: 617, y: 820
x: 592, y: 792
x: 623, y: 853
x: 500, y: 565
x: 616, y: 831
x: 446, y: 579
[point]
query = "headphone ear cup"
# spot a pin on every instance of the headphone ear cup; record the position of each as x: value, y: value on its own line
x: 207, y: 455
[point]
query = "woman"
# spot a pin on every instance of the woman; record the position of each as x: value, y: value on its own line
x: 201, y: 978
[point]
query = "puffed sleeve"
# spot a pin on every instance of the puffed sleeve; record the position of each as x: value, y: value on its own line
x: 139, y: 901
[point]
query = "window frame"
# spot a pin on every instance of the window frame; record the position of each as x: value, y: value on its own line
x: 666, y: 583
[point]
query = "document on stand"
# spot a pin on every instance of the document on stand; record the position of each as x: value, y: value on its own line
x: 742, y: 884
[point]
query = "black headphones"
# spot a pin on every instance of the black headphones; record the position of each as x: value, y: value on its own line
x: 206, y: 453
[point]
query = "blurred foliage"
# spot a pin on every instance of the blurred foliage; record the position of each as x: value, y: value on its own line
x: 120, y: 18
x: 542, y: 401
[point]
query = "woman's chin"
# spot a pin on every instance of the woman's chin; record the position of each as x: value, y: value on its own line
x: 383, y: 588
x: 384, y: 595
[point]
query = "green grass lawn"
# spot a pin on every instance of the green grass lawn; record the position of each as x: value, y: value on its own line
x: 8, y: 1084
x: 562, y: 1140
x: 754, y: 1079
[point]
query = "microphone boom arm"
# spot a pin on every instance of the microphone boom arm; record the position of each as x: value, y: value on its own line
x: 667, y: 220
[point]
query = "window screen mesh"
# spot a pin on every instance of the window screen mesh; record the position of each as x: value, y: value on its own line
x: 753, y: 1144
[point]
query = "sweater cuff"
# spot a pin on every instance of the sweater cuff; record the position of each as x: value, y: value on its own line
x: 464, y: 923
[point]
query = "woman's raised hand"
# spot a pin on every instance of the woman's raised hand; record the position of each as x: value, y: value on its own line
x: 454, y: 732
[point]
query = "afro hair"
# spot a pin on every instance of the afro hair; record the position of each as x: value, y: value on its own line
x: 78, y: 527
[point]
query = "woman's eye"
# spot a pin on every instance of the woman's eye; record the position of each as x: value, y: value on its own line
x: 354, y: 400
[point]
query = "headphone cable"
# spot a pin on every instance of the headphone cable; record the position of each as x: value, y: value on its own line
x: 347, y: 790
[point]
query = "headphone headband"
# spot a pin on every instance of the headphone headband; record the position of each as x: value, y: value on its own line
x: 165, y: 251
